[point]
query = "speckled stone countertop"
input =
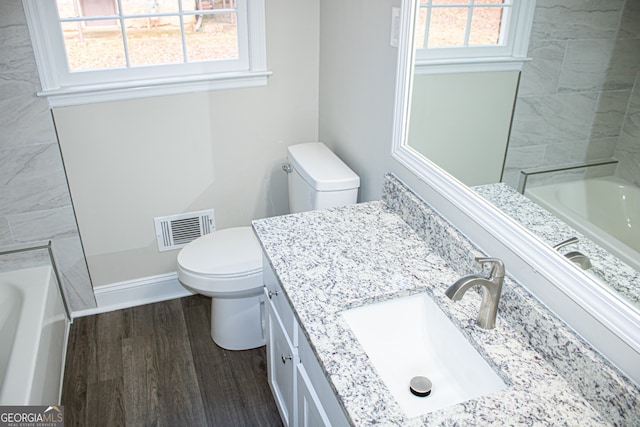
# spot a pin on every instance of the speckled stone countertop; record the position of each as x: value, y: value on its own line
x: 332, y: 260
x: 606, y: 267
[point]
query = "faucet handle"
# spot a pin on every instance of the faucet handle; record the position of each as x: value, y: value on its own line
x: 569, y: 241
x: 497, y: 266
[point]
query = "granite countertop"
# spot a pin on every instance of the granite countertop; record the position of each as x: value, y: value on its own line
x: 331, y: 260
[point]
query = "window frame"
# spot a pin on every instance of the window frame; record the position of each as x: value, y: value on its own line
x: 508, y: 57
x: 63, y: 88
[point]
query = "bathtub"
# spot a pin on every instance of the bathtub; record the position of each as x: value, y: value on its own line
x: 33, y: 336
x: 606, y: 210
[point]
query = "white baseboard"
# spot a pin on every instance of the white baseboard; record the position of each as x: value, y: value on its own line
x: 132, y: 293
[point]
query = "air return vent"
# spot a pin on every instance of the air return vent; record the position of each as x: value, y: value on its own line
x: 175, y: 231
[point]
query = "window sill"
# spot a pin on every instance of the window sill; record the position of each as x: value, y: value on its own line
x: 89, y: 94
x: 466, y: 65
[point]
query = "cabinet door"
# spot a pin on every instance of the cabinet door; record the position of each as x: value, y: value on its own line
x: 281, y: 306
x: 321, y: 406
x: 310, y: 410
x: 282, y: 358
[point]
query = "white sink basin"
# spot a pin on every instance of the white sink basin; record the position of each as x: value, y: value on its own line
x: 411, y: 336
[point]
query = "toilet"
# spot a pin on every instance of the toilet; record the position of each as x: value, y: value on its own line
x: 226, y: 265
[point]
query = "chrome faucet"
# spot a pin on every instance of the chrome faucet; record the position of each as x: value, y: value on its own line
x: 574, y: 256
x: 491, y: 294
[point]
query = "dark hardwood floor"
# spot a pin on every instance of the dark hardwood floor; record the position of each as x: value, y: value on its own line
x: 156, y: 365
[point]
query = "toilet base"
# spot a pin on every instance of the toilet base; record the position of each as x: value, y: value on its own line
x: 238, y: 323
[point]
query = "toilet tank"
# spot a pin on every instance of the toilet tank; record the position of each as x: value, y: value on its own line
x: 319, y: 179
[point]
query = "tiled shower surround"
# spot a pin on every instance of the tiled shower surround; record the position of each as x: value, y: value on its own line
x: 579, y: 97
x: 34, y: 198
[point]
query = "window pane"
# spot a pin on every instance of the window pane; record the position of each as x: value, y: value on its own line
x: 68, y: 8
x: 93, y: 47
x: 149, y: 45
x: 190, y: 5
x: 137, y: 7
x: 210, y: 33
x: 485, y: 26
x: 450, y: 1
x: 447, y: 26
x: 217, y: 38
x: 421, y: 22
x: 78, y: 8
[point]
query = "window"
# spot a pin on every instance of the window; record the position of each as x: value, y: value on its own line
x: 472, y: 32
x: 96, y: 50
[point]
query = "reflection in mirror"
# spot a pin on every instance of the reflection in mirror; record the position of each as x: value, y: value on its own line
x: 461, y: 122
x: 468, y: 57
x: 577, y: 102
x: 602, y: 265
x: 576, y: 110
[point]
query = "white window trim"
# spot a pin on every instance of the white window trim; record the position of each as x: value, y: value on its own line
x: 511, y: 61
x: 469, y: 65
x: 59, y: 95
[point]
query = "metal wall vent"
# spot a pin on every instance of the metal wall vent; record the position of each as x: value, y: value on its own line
x: 175, y: 231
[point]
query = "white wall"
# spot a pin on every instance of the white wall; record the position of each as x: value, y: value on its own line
x: 357, y: 86
x: 128, y: 162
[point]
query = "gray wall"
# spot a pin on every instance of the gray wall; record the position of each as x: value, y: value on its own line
x: 357, y: 86
x: 574, y: 97
x: 34, y: 198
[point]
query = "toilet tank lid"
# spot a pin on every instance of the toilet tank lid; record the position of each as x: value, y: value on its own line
x: 228, y: 252
x: 321, y: 168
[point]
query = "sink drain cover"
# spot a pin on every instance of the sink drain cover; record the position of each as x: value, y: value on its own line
x: 420, y: 386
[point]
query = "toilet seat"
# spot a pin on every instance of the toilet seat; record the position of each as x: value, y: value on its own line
x: 225, y: 261
x: 226, y: 265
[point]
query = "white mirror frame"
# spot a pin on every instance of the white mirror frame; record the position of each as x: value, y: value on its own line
x: 544, y: 265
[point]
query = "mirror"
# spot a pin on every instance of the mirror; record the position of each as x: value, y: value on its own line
x: 620, y: 319
x: 462, y: 121
x: 471, y: 112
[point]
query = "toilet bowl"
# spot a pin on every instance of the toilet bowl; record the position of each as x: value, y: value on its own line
x: 226, y: 265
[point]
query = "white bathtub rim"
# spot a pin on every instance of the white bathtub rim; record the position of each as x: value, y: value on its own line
x: 11, y: 301
x: 616, y: 247
x: 16, y: 389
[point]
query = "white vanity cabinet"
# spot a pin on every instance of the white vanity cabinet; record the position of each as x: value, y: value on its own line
x: 301, y: 391
x: 282, y: 350
x: 317, y: 404
x: 309, y: 411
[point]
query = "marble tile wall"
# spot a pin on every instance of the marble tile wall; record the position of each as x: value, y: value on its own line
x: 35, y: 205
x: 628, y: 148
x: 576, y: 99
